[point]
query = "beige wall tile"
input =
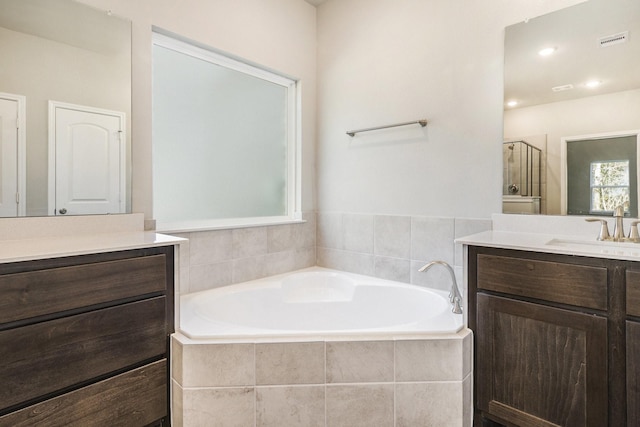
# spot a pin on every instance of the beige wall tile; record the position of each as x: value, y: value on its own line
x: 279, y: 262
x: 358, y: 232
x: 352, y: 262
x: 305, y: 257
x: 301, y: 406
x: 218, y: 365
x: 209, y: 276
x: 467, y: 353
x: 397, y: 269
x: 467, y: 402
x: 249, y: 268
x: 281, y: 237
x: 176, y: 360
x: 392, y: 236
x: 360, y: 361
x: 177, y: 412
x: 208, y: 247
x: 247, y: 242
x: 360, y: 405
x: 222, y: 407
x: 436, y: 404
x: 290, y: 363
x: 429, y: 360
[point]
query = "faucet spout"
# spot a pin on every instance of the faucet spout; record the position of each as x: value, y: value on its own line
x: 618, y: 230
x: 454, y: 295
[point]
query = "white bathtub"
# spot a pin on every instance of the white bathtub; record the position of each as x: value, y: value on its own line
x: 316, y: 302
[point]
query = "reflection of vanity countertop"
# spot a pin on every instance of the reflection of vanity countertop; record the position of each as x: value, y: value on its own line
x: 55, y: 247
x: 556, y: 244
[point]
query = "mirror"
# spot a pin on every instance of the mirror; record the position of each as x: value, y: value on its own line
x: 66, y: 73
x: 586, y: 87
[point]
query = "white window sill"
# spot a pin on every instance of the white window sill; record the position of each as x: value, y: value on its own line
x: 222, y: 224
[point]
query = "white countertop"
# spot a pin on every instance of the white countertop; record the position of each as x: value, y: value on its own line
x: 62, y: 246
x: 557, y: 244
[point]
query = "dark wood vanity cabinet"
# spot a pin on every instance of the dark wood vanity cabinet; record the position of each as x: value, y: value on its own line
x: 84, y: 339
x: 557, y: 339
x: 633, y: 347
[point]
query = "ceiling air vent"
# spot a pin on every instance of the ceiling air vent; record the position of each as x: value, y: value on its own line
x: 562, y: 88
x: 614, y: 39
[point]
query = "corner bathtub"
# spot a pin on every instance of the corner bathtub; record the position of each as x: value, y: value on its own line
x: 319, y: 347
x: 316, y: 302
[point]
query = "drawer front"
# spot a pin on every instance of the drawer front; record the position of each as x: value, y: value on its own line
x: 633, y: 293
x: 578, y: 285
x: 36, y: 293
x: 135, y: 398
x: 50, y: 356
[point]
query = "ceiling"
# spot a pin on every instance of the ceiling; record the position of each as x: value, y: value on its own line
x: 71, y: 23
x: 315, y: 2
x: 575, y: 33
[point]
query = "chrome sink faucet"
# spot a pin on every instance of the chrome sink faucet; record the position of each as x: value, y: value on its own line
x: 618, y: 228
x: 454, y: 295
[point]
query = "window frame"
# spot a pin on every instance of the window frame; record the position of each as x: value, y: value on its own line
x: 592, y: 186
x: 294, y: 135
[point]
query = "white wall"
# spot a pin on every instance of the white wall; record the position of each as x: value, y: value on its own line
x: 378, y: 62
x: 279, y: 34
x: 382, y: 62
x: 595, y: 114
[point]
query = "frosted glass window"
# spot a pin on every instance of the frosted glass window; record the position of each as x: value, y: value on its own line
x: 223, y: 136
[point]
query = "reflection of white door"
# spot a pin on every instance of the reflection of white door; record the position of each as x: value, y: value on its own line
x: 86, y: 166
x: 12, y: 134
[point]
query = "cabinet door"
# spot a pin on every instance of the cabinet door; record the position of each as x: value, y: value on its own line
x: 633, y: 374
x: 540, y: 366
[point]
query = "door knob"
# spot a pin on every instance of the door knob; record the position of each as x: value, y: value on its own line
x: 62, y: 211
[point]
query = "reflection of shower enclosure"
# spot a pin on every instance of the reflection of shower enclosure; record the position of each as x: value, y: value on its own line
x: 521, y: 177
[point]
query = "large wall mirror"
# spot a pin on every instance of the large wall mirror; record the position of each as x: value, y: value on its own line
x: 572, y: 110
x: 65, y: 109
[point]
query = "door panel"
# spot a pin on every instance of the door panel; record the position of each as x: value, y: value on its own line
x: 88, y: 170
x: 8, y: 158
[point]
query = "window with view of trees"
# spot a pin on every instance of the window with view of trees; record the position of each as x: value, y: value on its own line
x: 609, y: 185
x: 602, y: 174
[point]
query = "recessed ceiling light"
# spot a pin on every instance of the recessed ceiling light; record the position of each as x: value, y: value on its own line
x: 593, y: 83
x: 546, y: 51
x: 512, y: 103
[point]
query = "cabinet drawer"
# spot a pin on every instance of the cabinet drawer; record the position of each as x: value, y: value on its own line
x: 633, y: 293
x: 135, y: 398
x: 578, y: 285
x: 50, y: 356
x: 41, y: 292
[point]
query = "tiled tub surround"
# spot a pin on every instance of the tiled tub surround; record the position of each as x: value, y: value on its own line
x: 223, y: 257
x: 394, y: 247
x: 383, y: 381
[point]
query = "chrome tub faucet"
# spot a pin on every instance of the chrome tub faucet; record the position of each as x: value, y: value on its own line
x: 454, y: 294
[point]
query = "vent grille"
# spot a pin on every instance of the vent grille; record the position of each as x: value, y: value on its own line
x: 614, y: 39
x: 562, y: 88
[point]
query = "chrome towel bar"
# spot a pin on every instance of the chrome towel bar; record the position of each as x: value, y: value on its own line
x: 422, y: 123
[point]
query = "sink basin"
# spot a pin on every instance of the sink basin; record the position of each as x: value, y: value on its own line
x: 597, y: 246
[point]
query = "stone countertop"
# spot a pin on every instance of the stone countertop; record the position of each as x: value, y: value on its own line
x: 62, y: 246
x: 556, y: 244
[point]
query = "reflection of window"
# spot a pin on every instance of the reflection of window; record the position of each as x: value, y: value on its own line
x: 224, y: 138
x: 598, y: 170
x: 609, y: 185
